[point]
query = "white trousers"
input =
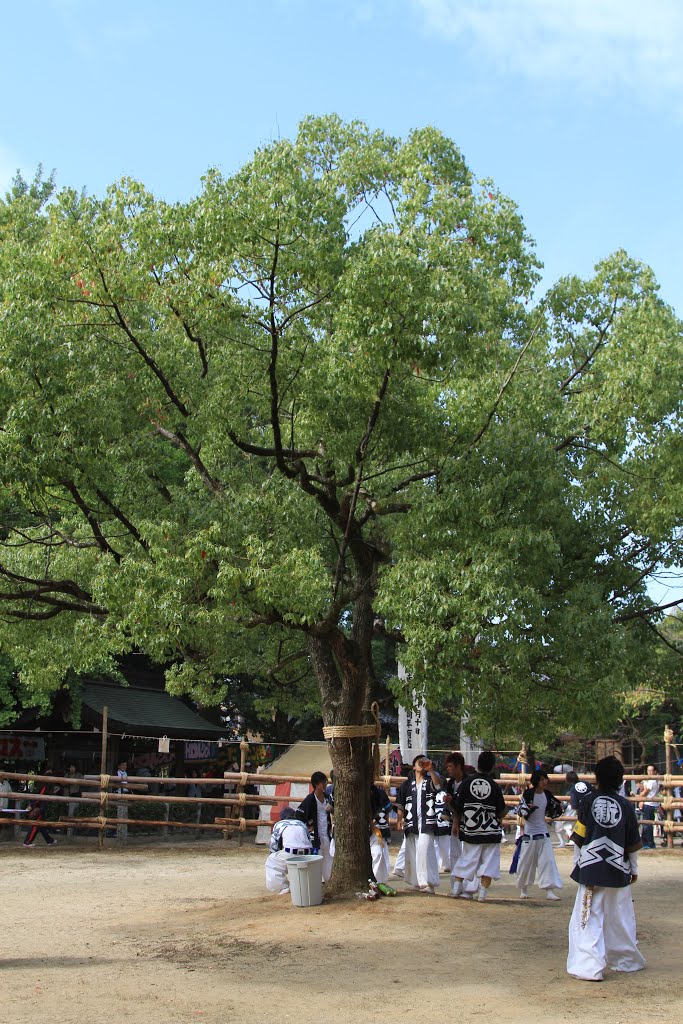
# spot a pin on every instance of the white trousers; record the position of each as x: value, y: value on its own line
x: 400, y: 865
x: 470, y: 886
x: 569, y: 825
x: 558, y: 827
x: 276, y: 872
x: 603, y: 935
x: 421, y: 867
x: 327, y: 852
x: 72, y: 811
x: 379, y: 849
x: 536, y: 857
x: 443, y: 848
x: 456, y: 850
x: 477, y: 860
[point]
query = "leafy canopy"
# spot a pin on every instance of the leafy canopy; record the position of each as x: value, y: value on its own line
x: 318, y: 402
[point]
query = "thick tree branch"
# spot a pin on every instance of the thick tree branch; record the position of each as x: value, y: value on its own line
x: 271, y: 618
x: 195, y: 339
x: 57, y: 607
x: 53, y: 539
x: 376, y: 508
x: 639, y: 578
x: 567, y: 441
x: 427, y: 475
x: 652, y: 610
x: 272, y: 371
x: 161, y: 487
x: 303, y: 309
x: 43, y: 591
x: 191, y: 336
x: 271, y: 453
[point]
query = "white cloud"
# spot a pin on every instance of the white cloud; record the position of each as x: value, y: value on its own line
x: 601, y: 46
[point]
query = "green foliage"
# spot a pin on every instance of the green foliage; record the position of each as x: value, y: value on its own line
x: 242, y: 432
x: 657, y: 700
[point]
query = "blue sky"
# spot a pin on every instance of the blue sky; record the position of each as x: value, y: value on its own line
x: 573, y: 107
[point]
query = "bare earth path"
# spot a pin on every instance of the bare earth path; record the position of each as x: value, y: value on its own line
x: 161, y: 934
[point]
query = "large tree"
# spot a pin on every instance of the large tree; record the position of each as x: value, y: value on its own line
x: 318, y: 402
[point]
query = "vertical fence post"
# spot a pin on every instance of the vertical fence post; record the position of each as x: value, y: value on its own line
x: 122, y: 811
x: 244, y: 750
x: 668, y: 740
x: 523, y: 762
x: 104, y: 789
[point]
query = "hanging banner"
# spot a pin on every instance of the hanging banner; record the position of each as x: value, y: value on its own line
x: 412, y: 725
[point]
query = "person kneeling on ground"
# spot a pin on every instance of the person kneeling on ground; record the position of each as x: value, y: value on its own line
x: 289, y: 838
x: 602, y: 929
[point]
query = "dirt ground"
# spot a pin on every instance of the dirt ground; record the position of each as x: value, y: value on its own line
x: 168, y: 934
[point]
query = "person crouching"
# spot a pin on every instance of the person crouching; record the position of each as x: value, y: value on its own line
x: 289, y: 838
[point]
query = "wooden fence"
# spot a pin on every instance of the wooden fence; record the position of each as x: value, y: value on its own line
x: 112, y: 791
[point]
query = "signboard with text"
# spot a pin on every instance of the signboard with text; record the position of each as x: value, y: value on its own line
x: 22, y: 748
x: 412, y: 725
x: 200, y: 750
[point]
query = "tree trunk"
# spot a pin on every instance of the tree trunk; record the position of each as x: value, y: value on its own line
x: 342, y: 675
x: 352, y: 763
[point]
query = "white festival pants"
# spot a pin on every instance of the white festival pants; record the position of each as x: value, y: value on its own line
x: 276, y: 872
x: 327, y: 852
x: 400, y: 865
x: 422, y: 867
x: 536, y: 857
x: 602, y: 933
x: 442, y: 845
x: 379, y: 848
x: 469, y: 886
x: 477, y: 860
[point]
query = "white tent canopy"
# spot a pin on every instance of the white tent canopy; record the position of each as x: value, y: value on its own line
x: 302, y: 758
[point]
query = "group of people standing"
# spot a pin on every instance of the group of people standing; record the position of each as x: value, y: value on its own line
x: 458, y: 826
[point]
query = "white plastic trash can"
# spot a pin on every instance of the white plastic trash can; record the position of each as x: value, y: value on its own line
x: 305, y: 874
